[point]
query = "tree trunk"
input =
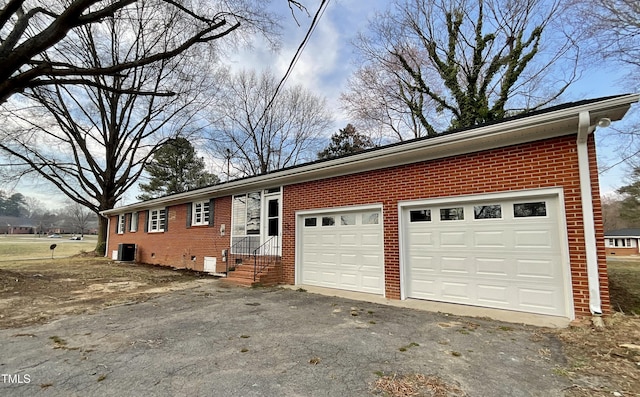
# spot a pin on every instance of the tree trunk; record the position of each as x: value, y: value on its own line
x: 101, y: 245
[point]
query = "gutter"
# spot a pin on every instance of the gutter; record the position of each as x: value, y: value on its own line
x: 584, y: 129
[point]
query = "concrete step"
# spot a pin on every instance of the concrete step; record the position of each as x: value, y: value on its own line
x: 243, y: 275
x: 238, y: 281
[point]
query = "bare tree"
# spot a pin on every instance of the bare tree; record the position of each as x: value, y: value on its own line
x: 610, y: 39
x: 32, y: 34
x: 613, y: 27
x: 611, y: 213
x: 463, y: 62
x: 262, y: 132
x: 33, y: 207
x: 91, y: 140
x: 377, y: 97
x: 80, y: 217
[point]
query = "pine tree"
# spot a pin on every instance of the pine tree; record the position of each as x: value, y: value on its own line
x: 346, y: 141
x: 630, y: 204
x: 175, y: 168
x: 13, y: 205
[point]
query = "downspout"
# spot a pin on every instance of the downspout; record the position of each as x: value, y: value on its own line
x: 106, y: 238
x: 584, y: 129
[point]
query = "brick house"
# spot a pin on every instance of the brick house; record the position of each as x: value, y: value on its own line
x: 504, y: 215
x: 16, y: 225
x: 622, y: 242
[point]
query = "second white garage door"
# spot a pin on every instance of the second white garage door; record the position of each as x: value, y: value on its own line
x: 500, y: 253
x: 342, y: 249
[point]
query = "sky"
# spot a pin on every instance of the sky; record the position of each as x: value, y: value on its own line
x: 328, y: 61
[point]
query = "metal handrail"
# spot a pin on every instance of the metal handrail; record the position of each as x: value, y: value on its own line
x: 268, y: 250
x: 230, y: 251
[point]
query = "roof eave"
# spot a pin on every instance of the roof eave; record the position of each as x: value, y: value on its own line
x: 511, y: 132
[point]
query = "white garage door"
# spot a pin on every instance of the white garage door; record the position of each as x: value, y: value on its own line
x: 503, y: 254
x: 342, y: 250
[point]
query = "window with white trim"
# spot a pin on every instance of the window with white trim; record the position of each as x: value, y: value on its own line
x: 246, y: 214
x: 200, y: 213
x: 157, y: 218
x: 255, y: 219
x: 452, y: 214
x: 493, y: 211
x: 370, y: 218
x: 121, y: 223
x: 328, y: 220
x: 423, y: 215
x: 133, y: 226
x: 348, y: 219
x: 527, y: 210
x: 622, y: 242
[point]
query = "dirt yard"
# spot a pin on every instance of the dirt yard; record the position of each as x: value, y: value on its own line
x: 608, y: 358
x: 600, y: 361
x: 603, y: 362
x: 38, y: 291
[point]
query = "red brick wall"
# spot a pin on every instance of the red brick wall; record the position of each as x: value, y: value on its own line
x: 178, y: 245
x: 620, y: 251
x: 545, y: 164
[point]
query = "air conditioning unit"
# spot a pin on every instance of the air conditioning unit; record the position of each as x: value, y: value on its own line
x: 126, y: 252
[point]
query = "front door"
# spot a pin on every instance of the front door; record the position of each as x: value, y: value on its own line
x: 271, y: 231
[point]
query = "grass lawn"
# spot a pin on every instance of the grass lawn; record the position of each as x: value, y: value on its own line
x: 624, y: 285
x: 16, y: 247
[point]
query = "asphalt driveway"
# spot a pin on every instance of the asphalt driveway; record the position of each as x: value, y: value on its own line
x: 214, y: 340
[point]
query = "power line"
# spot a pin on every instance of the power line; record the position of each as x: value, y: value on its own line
x: 314, y: 23
x: 296, y: 56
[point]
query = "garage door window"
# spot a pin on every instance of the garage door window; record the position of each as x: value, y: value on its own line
x: 420, y: 216
x: 328, y: 221
x: 452, y: 214
x: 487, y: 211
x: 347, y: 220
x: 525, y: 210
x: 310, y: 222
x: 370, y: 218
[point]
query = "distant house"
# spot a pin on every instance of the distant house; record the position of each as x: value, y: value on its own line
x: 16, y: 225
x: 622, y: 242
x: 56, y: 230
x: 504, y: 215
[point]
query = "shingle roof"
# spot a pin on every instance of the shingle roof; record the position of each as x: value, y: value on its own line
x: 631, y: 232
